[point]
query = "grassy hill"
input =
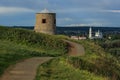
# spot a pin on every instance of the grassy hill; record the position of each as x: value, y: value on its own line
x: 18, y: 44
x: 96, y: 64
x: 34, y: 40
x: 112, y: 46
x: 63, y: 71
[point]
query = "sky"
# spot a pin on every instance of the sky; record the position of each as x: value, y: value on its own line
x: 69, y: 12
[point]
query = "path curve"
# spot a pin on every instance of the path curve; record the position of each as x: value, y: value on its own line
x: 75, y: 49
x: 25, y: 70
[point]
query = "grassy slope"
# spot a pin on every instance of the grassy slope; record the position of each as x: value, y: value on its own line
x: 35, y: 40
x: 59, y: 69
x: 92, y: 66
x: 112, y: 46
x: 95, y: 63
x: 18, y: 44
x: 10, y: 53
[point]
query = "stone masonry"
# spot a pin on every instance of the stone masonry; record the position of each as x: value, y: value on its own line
x: 45, y: 23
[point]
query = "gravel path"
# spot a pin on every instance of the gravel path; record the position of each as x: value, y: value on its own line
x: 25, y: 70
x: 75, y: 49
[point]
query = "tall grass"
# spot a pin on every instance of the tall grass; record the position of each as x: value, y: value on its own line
x: 37, y: 40
x: 18, y: 44
x: 96, y: 61
x: 59, y: 69
x: 10, y: 53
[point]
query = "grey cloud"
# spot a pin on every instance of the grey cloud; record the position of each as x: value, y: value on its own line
x: 14, y: 10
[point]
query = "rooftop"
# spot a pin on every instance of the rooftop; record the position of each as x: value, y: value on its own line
x: 45, y: 11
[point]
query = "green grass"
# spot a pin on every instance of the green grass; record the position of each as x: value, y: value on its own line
x: 19, y: 44
x: 95, y: 62
x: 35, y: 40
x: 59, y: 69
x: 10, y: 53
x: 112, y: 47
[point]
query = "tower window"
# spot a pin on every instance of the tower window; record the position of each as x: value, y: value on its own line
x: 55, y: 21
x: 43, y: 20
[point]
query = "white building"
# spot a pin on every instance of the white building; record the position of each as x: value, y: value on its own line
x: 98, y: 34
x: 90, y: 33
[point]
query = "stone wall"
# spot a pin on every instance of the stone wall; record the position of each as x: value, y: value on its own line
x: 49, y: 27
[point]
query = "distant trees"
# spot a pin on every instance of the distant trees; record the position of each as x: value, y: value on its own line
x: 111, y: 44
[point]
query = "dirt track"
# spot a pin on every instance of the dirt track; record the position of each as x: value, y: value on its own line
x: 75, y: 49
x: 26, y: 70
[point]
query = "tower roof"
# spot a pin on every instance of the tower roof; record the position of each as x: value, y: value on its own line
x: 45, y: 11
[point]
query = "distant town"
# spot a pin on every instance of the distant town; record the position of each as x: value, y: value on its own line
x: 84, y: 32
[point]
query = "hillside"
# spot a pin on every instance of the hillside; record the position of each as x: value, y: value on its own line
x: 112, y: 46
x: 95, y: 64
x: 18, y: 44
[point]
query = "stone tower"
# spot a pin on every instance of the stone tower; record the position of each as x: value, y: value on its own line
x: 45, y: 22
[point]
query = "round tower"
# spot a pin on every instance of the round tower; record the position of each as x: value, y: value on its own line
x: 45, y: 22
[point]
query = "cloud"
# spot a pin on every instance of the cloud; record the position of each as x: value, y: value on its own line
x: 91, y: 24
x: 32, y: 4
x: 68, y: 19
x: 81, y: 10
x: 14, y: 10
x: 68, y: 12
x: 111, y: 11
x: 73, y: 10
x: 65, y: 19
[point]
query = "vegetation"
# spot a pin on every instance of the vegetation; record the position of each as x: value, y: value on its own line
x: 112, y: 46
x: 18, y: 44
x: 98, y: 61
x: 60, y: 69
x: 113, y: 36
x: 34, y: 40
x: 10, y: 53
x: 95, y: 62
